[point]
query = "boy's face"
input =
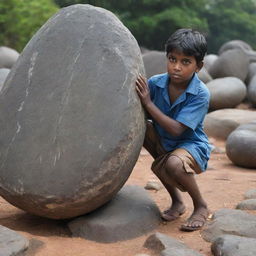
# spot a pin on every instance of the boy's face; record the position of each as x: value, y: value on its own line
x: 181, y: 67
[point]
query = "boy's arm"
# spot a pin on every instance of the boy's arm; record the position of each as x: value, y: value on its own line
x: 170, y: 125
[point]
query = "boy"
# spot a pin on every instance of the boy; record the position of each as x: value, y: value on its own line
x: 177, y: 103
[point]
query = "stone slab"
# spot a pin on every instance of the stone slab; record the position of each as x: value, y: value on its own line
x: 131, y: 213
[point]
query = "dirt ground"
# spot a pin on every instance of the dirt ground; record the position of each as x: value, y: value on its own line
x: 223, y: 186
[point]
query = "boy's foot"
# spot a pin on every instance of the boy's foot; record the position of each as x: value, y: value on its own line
x: 173, y: 212
x: 196, y: 221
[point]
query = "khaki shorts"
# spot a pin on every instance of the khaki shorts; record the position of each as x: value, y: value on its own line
x: 153, y: 145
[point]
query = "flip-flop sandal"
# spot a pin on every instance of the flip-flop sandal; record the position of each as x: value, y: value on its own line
x: 173, y: 216
x: 196, y: 218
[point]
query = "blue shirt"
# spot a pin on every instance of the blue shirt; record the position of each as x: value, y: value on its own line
x: 189, y: 109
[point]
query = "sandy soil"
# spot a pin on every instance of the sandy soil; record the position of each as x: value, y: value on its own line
x: 223, y: 186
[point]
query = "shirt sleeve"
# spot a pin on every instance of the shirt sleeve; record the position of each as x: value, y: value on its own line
x: 193, y: 112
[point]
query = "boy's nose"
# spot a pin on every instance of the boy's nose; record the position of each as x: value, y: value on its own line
x: 177, y: 66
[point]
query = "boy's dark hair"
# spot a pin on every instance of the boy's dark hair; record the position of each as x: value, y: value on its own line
x: 188, y: 41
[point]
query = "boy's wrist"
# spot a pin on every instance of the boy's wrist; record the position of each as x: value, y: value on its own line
x: 148, y: 104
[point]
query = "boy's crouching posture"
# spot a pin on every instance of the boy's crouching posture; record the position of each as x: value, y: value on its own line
x: 177, y: 102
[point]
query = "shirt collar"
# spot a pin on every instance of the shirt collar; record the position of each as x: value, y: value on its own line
x: 163, y: 81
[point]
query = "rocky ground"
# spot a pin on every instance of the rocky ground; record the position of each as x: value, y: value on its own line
x: 223, y: 186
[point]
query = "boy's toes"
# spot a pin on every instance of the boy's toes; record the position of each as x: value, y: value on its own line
x: 171, y: 214
x: 195, y: 222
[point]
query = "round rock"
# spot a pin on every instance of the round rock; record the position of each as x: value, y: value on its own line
x: 251, y: 91
x: 154, y: 62
x: 209, y: 59
x: 232, y: 62
x: 220, y: 123
x: 235, y: 44
x: 8, y: 57
x: 204, y: 76
x: 251, y: 72
x: 241, y: 145
x: 3, y: 75
x: 226, y: 92
x: 72, y: 125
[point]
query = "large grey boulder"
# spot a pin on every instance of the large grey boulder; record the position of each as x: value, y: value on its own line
x: 220, y: 123
x: 12, y: 243
x: 230, y: 245
x: 251, y: 91
x: 3, y: 75
x: 8, y: 57
x: 226, y: 92
x: 234, y: 44
x: 232, y: 62
x: 131, y: 213
x: 72, y: 125
x: 154, y: 62
x: 241, y: 145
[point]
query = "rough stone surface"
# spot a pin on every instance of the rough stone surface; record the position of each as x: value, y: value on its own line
x: 168, y: 246
x: 226, y: 92
x: 231, y: 63
x: 3, y: 74
x: 154, y: 62
x: 129, y: 214
x: 241, y: 145
x: 249, y: 204
x: 220, y: 123
x: 75, y: 125
x: 12, y: 243
x: 8, y: 57
x: 250, y: 194
x: 229, y: 245
x: 251, y: 92
x: 234, y: 44
x: 229, y: 221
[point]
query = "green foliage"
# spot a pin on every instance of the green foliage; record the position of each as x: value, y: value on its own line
x: 150, y: 21
x: 20, y: 19
x: 230, y: 20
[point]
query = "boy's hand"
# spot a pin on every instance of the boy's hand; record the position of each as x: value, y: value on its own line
x: 143, y: 90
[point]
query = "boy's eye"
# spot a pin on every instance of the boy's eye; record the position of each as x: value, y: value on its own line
x: 186, y: 61
x: 172, y: 59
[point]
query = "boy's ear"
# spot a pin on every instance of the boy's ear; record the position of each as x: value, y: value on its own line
x: 200, y: 64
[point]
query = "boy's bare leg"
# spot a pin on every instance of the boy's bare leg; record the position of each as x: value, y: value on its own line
x: 177, y: 207
x: 151, y: 144
x: 176, y: 171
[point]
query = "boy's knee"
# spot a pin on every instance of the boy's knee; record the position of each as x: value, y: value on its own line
x: 174, y: 166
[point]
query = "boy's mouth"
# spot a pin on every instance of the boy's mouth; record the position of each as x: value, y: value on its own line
x: 176, y: 76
